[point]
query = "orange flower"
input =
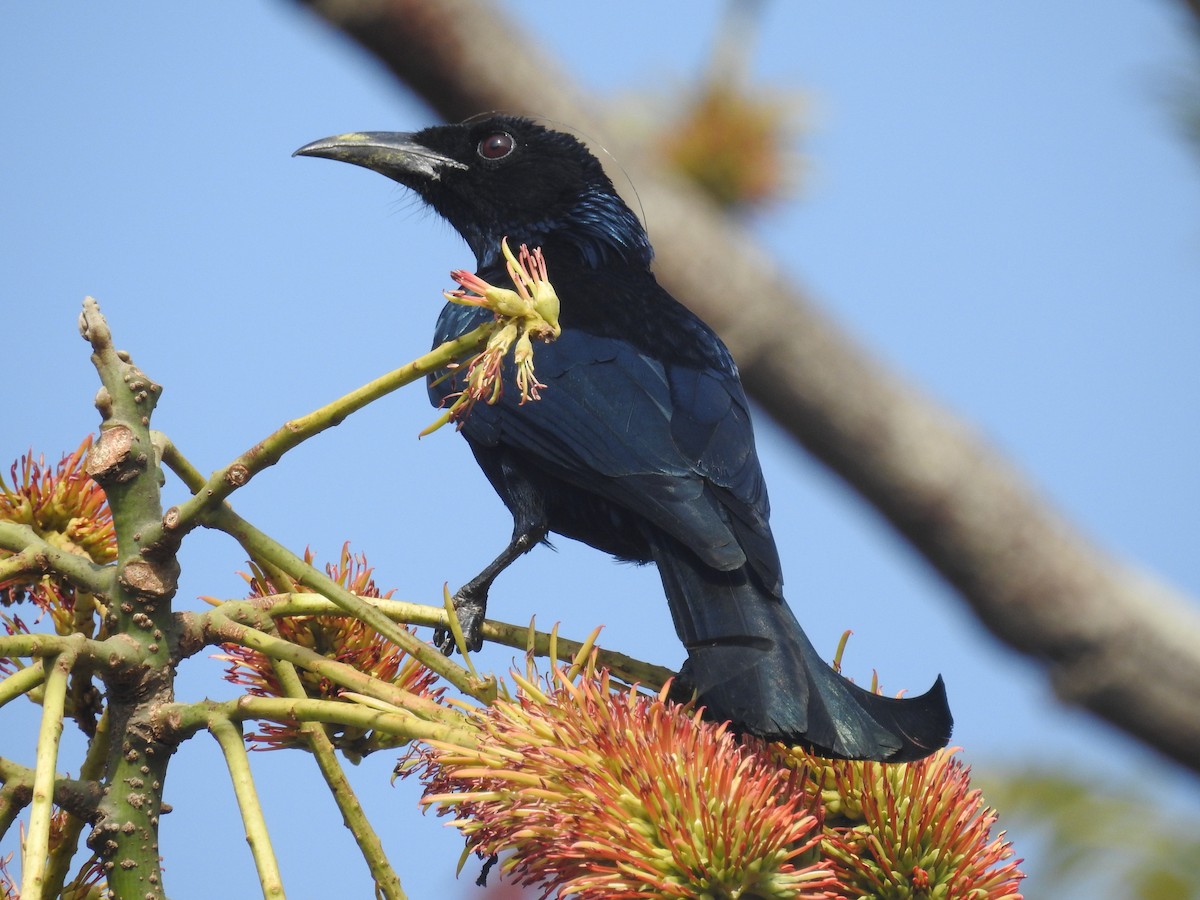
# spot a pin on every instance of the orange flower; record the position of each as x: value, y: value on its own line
x: 68, y: 510
x: 911, y: 830
x: 598, y: 792
x: 587, y: 789
x: 338, y: 637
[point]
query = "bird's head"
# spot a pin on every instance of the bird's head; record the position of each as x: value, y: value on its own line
x: 504, y: 176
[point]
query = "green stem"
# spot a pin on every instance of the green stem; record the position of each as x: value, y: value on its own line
x: 99, y: 654
x: 79, y: 570
x: 267, y: 452
x: 21, y: 681
x: 91, y: 770
x: 354, y: 715
x: 627, y: 668
x: 274, y: 555
x: 386, y: 880
x: 185, y: 718
x: 122, y: 460
x: 37, y: 842
x: 224, y: 630
x: 138, y: 594
x: 259, y: 546
x: 80, y: 798
x: 11, y: 804
x: 192, y: 478
x: 24, y: 563
x: 229, y: 736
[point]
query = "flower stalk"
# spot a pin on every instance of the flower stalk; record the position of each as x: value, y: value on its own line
x: 261, y: 547
x: 341, y: 638
x: 67, y: 839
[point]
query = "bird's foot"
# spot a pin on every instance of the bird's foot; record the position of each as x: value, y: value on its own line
x: 470, y: 610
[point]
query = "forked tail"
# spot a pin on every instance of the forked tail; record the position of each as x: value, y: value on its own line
x: 752, y: 664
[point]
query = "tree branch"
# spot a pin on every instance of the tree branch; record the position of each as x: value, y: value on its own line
x: 181, y: 519
x: 1113, y: 640
x: 34, y: 555
x: 184, y: 719
x: 78, y: 797
x: 112, y: 654
x: 124, y: 462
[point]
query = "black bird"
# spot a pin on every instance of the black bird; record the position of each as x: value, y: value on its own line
x: 641, y: 444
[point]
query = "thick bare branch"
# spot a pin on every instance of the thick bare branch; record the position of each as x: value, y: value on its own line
x: 1113, y: 640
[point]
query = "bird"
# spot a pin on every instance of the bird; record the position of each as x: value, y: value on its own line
x: 641, y: 444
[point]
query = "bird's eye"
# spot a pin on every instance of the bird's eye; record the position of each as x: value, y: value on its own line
x: 496, y: 146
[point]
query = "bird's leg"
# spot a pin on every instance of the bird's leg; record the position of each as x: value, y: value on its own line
x: 470, y: 602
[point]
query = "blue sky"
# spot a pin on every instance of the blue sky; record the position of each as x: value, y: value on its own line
x: 997, y: 200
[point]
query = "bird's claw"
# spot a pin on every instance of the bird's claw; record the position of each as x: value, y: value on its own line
x: 470, y: 611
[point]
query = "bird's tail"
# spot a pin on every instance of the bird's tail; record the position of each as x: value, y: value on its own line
x: 750, y: 663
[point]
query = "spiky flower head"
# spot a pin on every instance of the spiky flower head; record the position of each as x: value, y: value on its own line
x: 338, y: 637
x: 911, y: 830
x: 527, y: 314
x: 67, y: 509
x: 598, y: 792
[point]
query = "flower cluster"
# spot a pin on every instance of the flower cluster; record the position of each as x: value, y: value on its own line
x: 909, y: 830
x: 588, y: 789
x: 64, y: 507
x: 527, y: 314
x: 600, y: 792
x: 338, y: 637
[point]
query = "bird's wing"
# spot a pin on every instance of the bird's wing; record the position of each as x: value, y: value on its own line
x: 671, y: 443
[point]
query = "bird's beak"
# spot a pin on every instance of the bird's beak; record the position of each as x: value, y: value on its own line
x: 394, y: 154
